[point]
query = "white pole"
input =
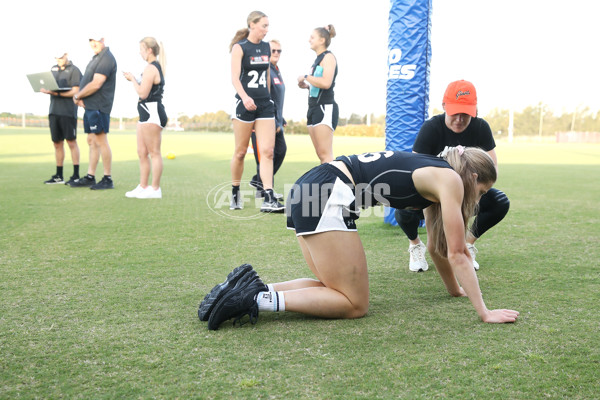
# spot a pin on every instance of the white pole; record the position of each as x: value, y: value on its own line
x: 541, y: 119
x: 511, y: 125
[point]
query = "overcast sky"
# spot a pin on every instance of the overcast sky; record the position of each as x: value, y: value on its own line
x: 516, y: 52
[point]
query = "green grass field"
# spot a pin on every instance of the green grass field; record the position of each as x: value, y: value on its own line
x: 99, y: 293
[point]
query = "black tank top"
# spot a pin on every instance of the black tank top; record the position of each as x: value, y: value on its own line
x: 325, y: 96
x: 156, y: 92
x: 386, y: 177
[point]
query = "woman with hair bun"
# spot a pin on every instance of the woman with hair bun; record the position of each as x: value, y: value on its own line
x: 323, y: 113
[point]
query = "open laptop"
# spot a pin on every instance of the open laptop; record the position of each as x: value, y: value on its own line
x: 44, y: 80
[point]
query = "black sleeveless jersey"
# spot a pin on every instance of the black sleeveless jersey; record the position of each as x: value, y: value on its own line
x: 255, y: 64
x: 156, y: 92
x: 325, y: 95
x: 386, y: 177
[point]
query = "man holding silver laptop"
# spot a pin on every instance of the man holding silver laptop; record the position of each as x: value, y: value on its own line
x: 62, y: 116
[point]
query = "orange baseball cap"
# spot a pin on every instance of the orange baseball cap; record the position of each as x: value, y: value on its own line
x: 460, y: 98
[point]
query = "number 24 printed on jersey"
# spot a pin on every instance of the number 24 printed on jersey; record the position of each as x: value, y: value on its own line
x: 257, y: 79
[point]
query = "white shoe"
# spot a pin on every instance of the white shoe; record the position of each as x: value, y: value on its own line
x: 150, y: 193
x: 133, y: 193
x: 473, y: 251
x: 237, y: 202
x: 417, y: 257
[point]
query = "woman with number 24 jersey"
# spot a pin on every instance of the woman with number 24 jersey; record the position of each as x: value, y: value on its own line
x: 254, y: 109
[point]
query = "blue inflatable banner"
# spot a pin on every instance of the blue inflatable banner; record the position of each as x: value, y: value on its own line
x: 409, y: 53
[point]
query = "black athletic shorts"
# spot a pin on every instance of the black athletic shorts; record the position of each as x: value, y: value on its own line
x: 62, y: 128
x: 152, y: 113
x: 323, y: 114
x: 321, y: 200
x: 265, y: 109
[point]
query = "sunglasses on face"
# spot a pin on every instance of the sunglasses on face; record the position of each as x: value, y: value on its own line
x: 276, y: 51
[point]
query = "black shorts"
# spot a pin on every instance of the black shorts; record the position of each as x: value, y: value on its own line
x: 323, y: 114
x: 265, y: 109
x: 62, y: 128
x: 152, y: 113
x: 321, y: 200
x: 95, y: 121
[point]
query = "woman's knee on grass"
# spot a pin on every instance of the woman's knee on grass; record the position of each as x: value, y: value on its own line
x: 358, y: 310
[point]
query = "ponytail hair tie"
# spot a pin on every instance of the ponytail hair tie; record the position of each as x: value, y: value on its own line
x: 461, y: 150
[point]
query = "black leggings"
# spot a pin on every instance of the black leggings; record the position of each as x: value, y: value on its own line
x: 493, y: 207
x: 278, y: 154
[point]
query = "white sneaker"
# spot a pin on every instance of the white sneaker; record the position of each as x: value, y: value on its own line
x: 150, y: 193
x: 133, y: 193
x: 237, y: 202
x: 417, y: 257
x: 473, y: 251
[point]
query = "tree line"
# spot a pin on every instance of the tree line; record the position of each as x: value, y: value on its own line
x: 526, y: 122
x: 531, y: 121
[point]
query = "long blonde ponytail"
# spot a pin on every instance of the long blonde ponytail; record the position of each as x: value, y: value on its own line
x: 465, y: 162
x: 243, y: 33
x: 158, y: 50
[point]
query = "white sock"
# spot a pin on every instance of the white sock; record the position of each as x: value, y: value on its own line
x: 270, y: 301
x: 270, y: 287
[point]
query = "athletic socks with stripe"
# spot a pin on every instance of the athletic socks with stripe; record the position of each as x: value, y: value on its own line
x: 270, y: 301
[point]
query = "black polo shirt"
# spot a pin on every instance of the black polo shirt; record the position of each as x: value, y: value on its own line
x: 68, y: 77
x: 102, y: 63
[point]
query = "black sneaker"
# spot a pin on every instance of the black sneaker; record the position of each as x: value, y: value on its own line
x: 219, y: 290
x: 259, y: 194
x: 86, y: 181
x: 55, y: 179
x: 272, y: 206
x: 238, y: 302
x: 71, y: 180
x: 105, y: 183
x: 256, y: 183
